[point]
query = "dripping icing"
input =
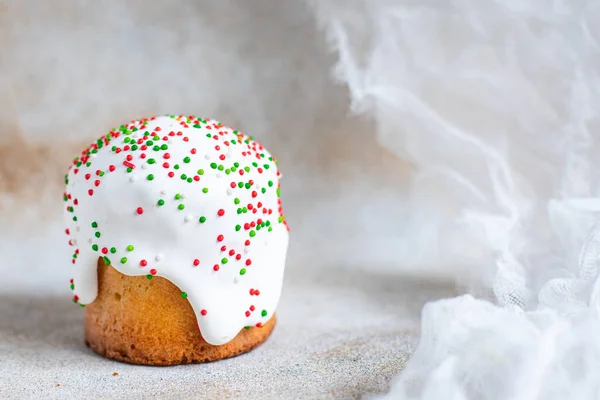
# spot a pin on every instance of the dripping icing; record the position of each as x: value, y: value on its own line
x: 157, y: 194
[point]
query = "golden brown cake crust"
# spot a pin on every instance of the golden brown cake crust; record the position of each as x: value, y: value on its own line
x: 141, y: 321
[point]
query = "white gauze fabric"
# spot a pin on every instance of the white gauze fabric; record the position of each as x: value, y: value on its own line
x: 496, y: 104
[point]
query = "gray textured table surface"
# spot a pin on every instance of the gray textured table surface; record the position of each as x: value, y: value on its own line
x: 341, y: 334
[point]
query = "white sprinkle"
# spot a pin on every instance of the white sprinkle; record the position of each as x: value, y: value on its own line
x: 77, y: 229
x: 90, y: 241
x: 218, y: 174
x: 246, y: 249
x: 188, y: 218
x: 133, y: 178
x: 229, y: 192
x: 236, y: 279
x: 158, y: 257
x: 182, y: 195
x: 163, y: 192
x: 74, y: 242
x: 145, y: 166
x: 207, y: 156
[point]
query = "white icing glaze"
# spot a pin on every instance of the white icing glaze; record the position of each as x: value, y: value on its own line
x: 168, y: 239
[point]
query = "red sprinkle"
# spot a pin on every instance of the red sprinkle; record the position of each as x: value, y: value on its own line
x: 221, y: 212
x: 252, y: 308
x: 203, y: 312
x: 143, y: 263
x: 140, y: 210
x: 193, y: 151
x: 196, y: 262
x: 153, y: 271
x: 220, y: 238
x: 90, y: 192
x: 216, y: 267
x: 111, y: 168
x: 248, y: 262
x: 247, y: 313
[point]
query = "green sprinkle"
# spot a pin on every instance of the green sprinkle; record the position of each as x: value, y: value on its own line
x: 202, y: 220
x: 176, y: 166
x: 101, y: 173
x: 243, y: 271
x: 129, y: 170
x: 246, y: 327
x: 280, y: 219
x: 74, y: 218
x: 94, y: 224
x: 263, y: 313
x: 236, y: 200
x: 130, y: 247
x: 263, y: 190
x: 127, y: 139
x: 270, y: 183
x: 268, y: 223
x: 113, y: 250
x: 151, y: 161
x: 134, y: 147
x: 72, y: 287
x: 227, y: 171
x: 266, y: 166
x: 245, y: 209
x: 183, y: 177
x: 190, y: 180
x: 95, y: 247
x: 247, y: 169
x: 241, y: 185
x: 183, y: 295
x: 74, y: 255
x: 114, y: 148
x: 149, y: 143
x: 123, y: 260
x: 252, y: 233
x: 236, y: 164
x: 186, y: 160
x: 254, y: 164
x: 270, y: 229
x: 181, y: 206
x: 238, y: 227
x: 278, y: 192
x: 106, y: 260
x: 156, y: 148
x: 150, y: 177
x: 213, y: 165
x: 97, y: 234
x: 239, y: 211
x: 200, y: 172
x: 156, y: 137
x: 149, y: 277
x: 221, y: 167
x: 247, y: 185
x: 177, y: 196
x: 161, y: 202
x: 224, y: 260
x: 205, y: 190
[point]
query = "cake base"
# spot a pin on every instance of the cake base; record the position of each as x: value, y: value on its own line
x: 141, y: 321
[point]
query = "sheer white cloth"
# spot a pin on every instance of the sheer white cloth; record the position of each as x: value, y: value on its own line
x: 496, y: 103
